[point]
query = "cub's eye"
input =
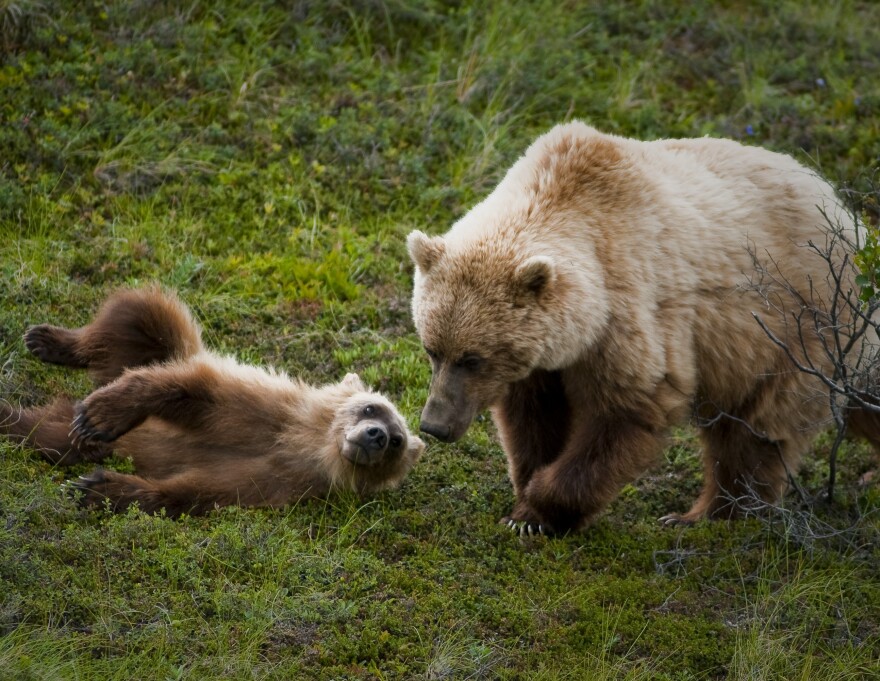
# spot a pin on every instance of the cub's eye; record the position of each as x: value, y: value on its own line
x: 470, y: 362
x: 433, y: 355
x: 396, y: 441
x: 369, y: 410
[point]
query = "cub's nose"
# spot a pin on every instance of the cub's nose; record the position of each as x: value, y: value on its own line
x: 376, y: 438
x: 442, y: 433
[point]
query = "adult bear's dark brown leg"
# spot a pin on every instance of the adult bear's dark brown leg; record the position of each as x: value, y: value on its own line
x: 603, y: 453
x: 533, y: 421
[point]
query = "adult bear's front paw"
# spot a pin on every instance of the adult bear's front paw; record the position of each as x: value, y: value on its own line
x: 524, y: 522
x: 526, y: 528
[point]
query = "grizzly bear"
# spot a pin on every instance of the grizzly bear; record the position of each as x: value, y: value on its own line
x: 203, y: 430
x: 604, y: 292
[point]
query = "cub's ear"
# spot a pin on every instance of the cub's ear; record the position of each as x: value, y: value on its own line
x: 424, y: 250
x: 354, y: 382
x: 416, y: 447
x: 533, y: 278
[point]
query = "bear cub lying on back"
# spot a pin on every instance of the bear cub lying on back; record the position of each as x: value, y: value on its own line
x: 203, y: 430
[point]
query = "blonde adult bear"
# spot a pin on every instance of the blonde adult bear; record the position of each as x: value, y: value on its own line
x: 203, y: 430
x: 604, y: 292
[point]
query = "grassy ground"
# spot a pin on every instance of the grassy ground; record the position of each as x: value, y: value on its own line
x: 267, y: 159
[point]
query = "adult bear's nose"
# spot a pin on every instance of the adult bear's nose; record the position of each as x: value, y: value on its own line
x: 442, y: 433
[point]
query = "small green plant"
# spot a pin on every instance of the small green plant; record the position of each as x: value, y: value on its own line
x: 867, y: 260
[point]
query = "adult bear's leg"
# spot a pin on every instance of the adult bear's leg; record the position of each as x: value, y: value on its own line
x: 750, y: 451
x: 603, y: 453
x: 741, y: 467
x: 533, y: 421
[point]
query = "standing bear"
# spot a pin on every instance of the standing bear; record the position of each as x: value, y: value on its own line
x: 203, y: 430
x: 605, y: 291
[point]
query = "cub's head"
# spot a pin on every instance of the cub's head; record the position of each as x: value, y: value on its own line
x: 486, y: 318
x: 374, y: 442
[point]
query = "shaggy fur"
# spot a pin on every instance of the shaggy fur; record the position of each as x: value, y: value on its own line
x: 203, y: 430
x: 604, y: 292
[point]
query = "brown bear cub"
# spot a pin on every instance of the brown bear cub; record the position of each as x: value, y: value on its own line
x: 203, y: 430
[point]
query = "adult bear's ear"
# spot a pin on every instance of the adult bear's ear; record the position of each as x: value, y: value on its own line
x: 533, y: 278
x: 424, y: 250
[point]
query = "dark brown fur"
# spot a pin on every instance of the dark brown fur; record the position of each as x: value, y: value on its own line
x: 569, y: 467
x: 203, y: 431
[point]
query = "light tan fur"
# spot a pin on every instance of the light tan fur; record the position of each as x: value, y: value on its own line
x: 204, y: 430
x: 616, y: 280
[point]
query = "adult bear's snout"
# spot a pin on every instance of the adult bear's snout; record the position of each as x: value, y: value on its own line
x: 441, y: 432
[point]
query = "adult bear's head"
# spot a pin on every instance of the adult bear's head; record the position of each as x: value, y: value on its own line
x: 487, y: 316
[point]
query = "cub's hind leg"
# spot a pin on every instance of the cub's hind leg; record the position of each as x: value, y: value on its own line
x: 55, y: 345
x: 120, y: 490
x: 194, y: 491
x: 47, y: 429
x: 132, y: 328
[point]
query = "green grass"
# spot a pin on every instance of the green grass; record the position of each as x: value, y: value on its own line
x: 267, y: 160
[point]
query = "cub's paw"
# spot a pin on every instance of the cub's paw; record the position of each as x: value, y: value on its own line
x: 52, y: 344
x: 97, y: 419
x: 89, y: 489
x: 112, y: 490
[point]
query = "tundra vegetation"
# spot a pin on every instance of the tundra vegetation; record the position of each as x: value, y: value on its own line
x: 267, y: 160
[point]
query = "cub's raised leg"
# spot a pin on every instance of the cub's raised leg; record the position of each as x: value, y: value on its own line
x: 184, y: 393
x: 131, y: 329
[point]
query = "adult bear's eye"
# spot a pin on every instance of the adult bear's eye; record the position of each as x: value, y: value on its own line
x: 396, y: 441
x: 369, y: 410
x: 433, y: 355
x: 470, y: 362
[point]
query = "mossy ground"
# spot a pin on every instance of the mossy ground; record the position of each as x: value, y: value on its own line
x: 267, y: 160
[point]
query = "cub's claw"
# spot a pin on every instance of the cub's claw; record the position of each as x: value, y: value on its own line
x: 83, y: 431
x: 87, y: 488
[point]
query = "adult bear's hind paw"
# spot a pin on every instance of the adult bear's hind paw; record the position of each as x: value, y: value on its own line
x: 676, y: 520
